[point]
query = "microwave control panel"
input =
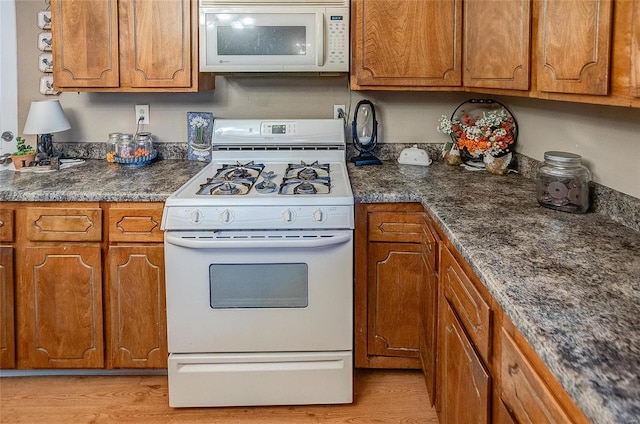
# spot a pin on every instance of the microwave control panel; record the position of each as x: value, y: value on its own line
x: 338, y: 38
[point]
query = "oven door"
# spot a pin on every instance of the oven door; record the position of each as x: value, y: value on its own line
x: 252, y: 291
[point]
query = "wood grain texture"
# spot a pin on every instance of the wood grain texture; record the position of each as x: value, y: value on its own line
x: 635, y: 50
x: 127, y: 224
x: 64, y: 224
x: 6, y: 224
x: 406, y: 43
x: 380, y: 397
x: 575, y: 46
x: 7, y: 323
x: 136, y: 307
x: 497, y: 44
x: 60, y: 308
x: 85, y: 40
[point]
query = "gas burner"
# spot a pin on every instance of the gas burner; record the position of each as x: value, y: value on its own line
x: 247, y: 170
x: 299, y: 186
x: 305, y: 188
x: 227, y: 188
x: 305, y: 171
x: 233, y: 186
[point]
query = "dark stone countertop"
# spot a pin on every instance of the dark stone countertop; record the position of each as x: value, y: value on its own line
x: 570, y: 283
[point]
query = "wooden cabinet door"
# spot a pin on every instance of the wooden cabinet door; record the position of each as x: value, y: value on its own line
x: 406, y: 43
x: 428, y: 309
x: 156, y: 37
x: 466, y: 384
x: 60, y: 307
x: 574, y: 38
x: 497, y: 44
x: 635, y: 49
x: 85, y: 39
x: 395, y: 274
x: 136, y: 318
x: 7, y: 329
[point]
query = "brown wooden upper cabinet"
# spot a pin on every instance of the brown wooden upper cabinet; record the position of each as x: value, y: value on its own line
x: 497, y: 44
x: 126, y: 45
x: 574, y: 39
x: 635, y: 50
x: 406, y: 43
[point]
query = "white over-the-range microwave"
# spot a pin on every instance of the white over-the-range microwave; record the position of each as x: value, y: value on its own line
x: 274, y: 36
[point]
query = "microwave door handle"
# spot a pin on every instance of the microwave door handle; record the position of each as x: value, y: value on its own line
x: 319, y: 39
x: 280, y: 242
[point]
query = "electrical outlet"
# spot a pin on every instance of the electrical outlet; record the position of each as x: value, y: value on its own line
x: 142, y: 111
x: 336, y: 111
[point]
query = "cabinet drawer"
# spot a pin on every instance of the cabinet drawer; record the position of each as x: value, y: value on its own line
x: 523, y: 390
x: 135, y: 225
x: 395, y: 226
x: 6, y: 225
x: 430, y: 244
x: 64, y: 224
x: 467, y: 302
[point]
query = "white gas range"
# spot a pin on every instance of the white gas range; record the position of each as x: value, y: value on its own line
x: 259, y: 269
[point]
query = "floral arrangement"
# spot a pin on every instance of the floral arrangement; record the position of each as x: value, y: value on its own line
x: 199, y: 123
x: 490, y: 134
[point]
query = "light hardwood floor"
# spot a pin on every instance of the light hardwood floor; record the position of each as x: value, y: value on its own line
x: 382, y: 396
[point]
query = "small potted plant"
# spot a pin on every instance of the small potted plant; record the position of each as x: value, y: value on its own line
x: 24, y: 155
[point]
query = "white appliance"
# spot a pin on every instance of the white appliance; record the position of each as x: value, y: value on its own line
x: 274, y: 36
x: 259, y: 269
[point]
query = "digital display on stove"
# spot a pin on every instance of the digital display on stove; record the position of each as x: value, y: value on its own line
x: 279, y: 129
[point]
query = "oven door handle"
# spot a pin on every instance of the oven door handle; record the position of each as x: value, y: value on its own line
x: 261, y: 242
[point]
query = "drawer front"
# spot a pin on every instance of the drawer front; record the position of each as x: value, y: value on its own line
x: 64, y: 224
x: 395, y: 227
x: 6, y: 225
x: 430, y: 244
x: 135, y: 225
x: 474, y: 312
x: 523, y: 390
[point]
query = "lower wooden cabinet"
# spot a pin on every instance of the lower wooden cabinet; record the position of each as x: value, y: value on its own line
x: 135, y: 307
x: 60, y: 307
x: 388, y: 274
x: 466, y: 383
x: 87, y: 282
x: 7, y: 322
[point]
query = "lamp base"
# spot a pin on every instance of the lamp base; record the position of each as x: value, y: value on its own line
x: 366, y: 158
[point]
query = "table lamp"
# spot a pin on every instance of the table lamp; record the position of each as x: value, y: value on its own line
x: 45, y: 118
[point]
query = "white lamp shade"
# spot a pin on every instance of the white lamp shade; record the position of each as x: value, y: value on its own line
x: 46, y: 117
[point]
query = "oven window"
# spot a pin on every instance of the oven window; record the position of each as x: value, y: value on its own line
x: 262, y: 41
x: 259, y: 286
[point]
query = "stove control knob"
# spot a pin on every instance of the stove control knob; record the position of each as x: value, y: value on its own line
x: 196, y: 216
x: 288, y: 215
x: 226, y: 216
x: 319, y: 215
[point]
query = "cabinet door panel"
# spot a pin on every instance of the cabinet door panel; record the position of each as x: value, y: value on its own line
x: 466, y: 384
x: 524, y: 391
x: 136, y: 304
x: 60, y: 310
x: 467, y: 302
x: 393, y: 328
x: 497, y: 43
x: 158, y: 42
x: 6, y: 225
x: 406, y: 42
x: 135, y: 225
x: 64, y: 224
x: 7, y: 330
x: 575, y: 41
x: 85, y: 36
x: 635, y: 50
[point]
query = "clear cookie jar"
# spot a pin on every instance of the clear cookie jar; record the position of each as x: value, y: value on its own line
x: 562, y: 182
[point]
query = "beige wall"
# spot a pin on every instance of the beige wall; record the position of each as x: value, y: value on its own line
x: 608, y: 138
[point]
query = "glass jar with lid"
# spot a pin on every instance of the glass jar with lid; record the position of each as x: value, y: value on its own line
x: 562, y: 182
x: 112, y: 145
x: 144, y: 144
x: 126, y: 147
